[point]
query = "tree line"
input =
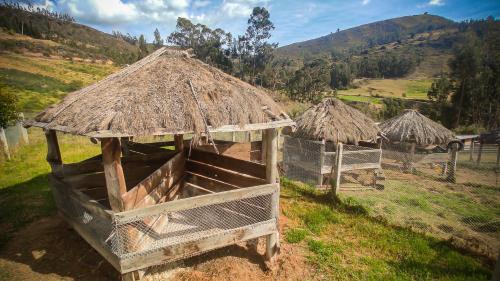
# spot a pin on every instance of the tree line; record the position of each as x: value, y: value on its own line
x: 470, y: 94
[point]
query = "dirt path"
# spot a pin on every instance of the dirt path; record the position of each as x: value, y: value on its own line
x: 49, y: 250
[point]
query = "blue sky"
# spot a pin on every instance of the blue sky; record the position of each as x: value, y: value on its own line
x: 294, y: 20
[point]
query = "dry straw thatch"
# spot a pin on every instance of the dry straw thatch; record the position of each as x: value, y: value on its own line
x: 333, y: 120
x: 153, y: 96
x: 411, y: 126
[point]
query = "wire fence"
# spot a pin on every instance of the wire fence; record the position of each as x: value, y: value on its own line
x: 11, y: 138
x: 425, y: 190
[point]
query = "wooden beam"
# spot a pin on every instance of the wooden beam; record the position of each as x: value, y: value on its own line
x: 162, y: 179
x: 271, y: 136
x: 113, y: 172
x: 229, y: 163
x: 225, y: 175
x: 53, y: 152
x: 189, y: 203
x: 179, y: 142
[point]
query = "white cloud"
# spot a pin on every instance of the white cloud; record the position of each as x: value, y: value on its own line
x: 365, y: 2
x: 436, y: 3
x: 98, y: 11
x: 201, y: 3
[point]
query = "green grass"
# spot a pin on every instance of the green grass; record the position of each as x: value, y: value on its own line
x: 295, y: 235
x: 417, y: 89
x: 355, y: 247
x: 40, y: 82
x: 24, y: 191
x: 366, y: 99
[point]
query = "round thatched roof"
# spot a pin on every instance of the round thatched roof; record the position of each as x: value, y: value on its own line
x: 411, y: 126
x: 333, y: 120
x: 153, y: 97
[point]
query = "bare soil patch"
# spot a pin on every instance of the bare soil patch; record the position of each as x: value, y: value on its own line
x: 49, y: 249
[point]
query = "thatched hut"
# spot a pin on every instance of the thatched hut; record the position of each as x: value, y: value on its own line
x: 413, y: 127
x: 330, y: 134
x: 139, y: 204
x: 414, y: 136
x: 334, y: 121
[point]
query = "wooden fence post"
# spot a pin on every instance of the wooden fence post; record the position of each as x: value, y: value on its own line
x: 53, y: 151
x: 471, y: 150
x: 481, y: 144
x: 453, y: 163
x: 272, y: 240
x: 113, y: 172
x: 4, y: 144
x: 22, y: 131
x: 321, y: 162
x: 338, y: 168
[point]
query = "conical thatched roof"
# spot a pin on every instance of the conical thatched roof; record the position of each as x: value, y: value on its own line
x: 153, y: 96
x: 333, y: 120
x: 411, y: 126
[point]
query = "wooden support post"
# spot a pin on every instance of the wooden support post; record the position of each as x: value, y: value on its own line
x: 3, y: 144
x: 272, y: 240
x: 453, y: 163
x: 336, y: 168
x: 125, y: 146
x: 412, y: 157
x: 179, y: 142
x: 22, y: 131
x: 321, y: 162
x: 471, y: 150
x: 113, y: 172
x: 233, y: 136
x: 271, y: 137
x: 53, y: 152
x: 481, y: 144
x: 263, y: 147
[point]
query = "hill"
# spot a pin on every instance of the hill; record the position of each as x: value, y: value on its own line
x: 70, y: 39
x: 356, y: 40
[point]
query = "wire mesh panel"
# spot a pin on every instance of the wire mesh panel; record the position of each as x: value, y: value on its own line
x: 164, y: 229
x: 359, y: 157
x: 428, y: 191
x: 302, y: 159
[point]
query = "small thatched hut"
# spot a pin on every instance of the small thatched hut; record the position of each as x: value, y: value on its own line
x: 411, y: 130
x: 139, y: 204
x: 334, y: 121
x: 317, y: 144
x: 413, y: 127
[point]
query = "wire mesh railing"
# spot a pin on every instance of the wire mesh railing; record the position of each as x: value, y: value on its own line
x: 425, y: 190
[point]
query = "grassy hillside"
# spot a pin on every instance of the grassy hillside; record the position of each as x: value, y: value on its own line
x: 40, y: 81
x: 70, y: 39
x: 357, y: 38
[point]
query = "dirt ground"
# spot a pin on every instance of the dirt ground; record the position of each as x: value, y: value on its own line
x: 49, y: 249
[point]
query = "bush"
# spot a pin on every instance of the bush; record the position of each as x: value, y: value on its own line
x: 8, y: 108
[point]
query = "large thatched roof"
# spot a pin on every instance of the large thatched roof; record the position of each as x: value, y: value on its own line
x: 153, y: 96
x: 411, y: 126
x: 333, y: 120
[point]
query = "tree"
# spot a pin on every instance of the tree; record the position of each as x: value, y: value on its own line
x: 8, y: 108
x: 340, y: 76
x: 210, y: 46
x: 310, y: 81
x: 143, y: 48
x: 157, y: 42
x: 257, y: 48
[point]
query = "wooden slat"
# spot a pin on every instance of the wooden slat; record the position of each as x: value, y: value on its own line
x: 224, y: 175
x: 189, y: 203
x: 168, y: 174
x: 177, y: 251
x: 209, y: 183
x: 85, y: 201
x: 195, y: 190
x: 230, y: 163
